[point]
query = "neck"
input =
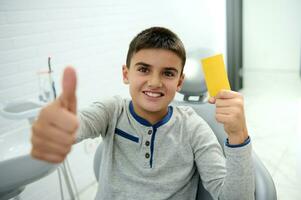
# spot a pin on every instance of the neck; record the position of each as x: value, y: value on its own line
x: 151, y: 117
x: 154, y: 117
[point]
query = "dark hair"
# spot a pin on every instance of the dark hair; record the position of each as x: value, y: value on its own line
x: 156, y: 38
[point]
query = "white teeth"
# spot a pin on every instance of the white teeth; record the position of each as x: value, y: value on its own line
x: 151, y: 94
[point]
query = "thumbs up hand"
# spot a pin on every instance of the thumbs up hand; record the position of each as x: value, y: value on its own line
x: 53, y: 133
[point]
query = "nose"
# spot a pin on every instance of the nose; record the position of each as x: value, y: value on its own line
x: 154, y: 81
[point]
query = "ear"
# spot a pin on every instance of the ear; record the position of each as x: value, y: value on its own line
x: 125, y: 74
x: 180, y: 83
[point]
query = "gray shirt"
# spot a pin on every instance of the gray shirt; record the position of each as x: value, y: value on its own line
x: 164, y: 160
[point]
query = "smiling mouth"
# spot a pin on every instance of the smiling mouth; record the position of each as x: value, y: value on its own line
x: 153, y: 94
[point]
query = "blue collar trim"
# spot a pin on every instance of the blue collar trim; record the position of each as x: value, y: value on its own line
x: 147, y: 123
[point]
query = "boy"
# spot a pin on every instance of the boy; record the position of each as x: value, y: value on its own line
x: 152, y: 150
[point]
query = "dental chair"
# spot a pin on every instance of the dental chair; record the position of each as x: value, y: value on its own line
x: 194, y: 87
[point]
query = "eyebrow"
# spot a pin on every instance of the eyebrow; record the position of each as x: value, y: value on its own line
x: 148, y: 65
x: 143, y: 63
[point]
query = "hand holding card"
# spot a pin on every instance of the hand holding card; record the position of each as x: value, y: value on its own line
x: 229, y: 104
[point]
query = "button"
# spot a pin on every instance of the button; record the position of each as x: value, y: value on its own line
x: 147, y: 155
x: 147, y: 143
x: 150, y: 132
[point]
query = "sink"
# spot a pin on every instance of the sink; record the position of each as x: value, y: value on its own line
x: 21, y: 109
x: 17, y: 167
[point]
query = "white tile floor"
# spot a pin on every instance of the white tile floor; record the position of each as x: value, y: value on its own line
x: 272, y: 102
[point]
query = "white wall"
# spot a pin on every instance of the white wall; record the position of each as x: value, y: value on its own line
x: 272, y: 34
x: 93, y: 36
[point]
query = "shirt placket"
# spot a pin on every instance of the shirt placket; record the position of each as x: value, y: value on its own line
x: 146, y: 147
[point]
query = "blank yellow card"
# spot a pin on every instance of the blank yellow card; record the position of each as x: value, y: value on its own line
x: 215, y: 74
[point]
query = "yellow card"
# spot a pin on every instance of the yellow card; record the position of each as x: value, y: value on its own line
x: 215, y: 74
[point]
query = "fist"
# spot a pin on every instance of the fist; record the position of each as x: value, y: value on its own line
x: 53, y: 133
x: 230, y: 112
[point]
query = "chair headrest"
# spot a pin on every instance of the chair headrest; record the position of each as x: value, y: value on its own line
x: 194, y: 82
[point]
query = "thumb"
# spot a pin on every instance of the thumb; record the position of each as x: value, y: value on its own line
x: 68, y: 97
x: 211, y: 100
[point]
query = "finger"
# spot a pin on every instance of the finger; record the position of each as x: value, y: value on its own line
x: 223, y: 103
x: 68, y: 97
x: 53, y: 134
x: 211, y: 100
x: 229, y: 102
x: 44, y: 146
x: 226, y: 94
x: 49, y: 157
x: 61, y: 118
x: 65, y: 121
x: 224, y: 110
x: 222, y: 118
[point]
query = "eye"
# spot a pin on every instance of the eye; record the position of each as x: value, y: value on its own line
x: 143, y: 69
x: 169, y: 73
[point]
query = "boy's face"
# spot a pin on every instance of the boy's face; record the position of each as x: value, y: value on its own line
x: 153, y: 77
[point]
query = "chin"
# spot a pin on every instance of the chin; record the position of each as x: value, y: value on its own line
x: 154, y: 108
